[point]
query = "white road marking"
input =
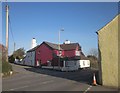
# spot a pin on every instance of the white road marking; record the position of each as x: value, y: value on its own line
x: 22, y: 77
x: 18, y: 88
x: 46, y: 82
x: 87, y: 89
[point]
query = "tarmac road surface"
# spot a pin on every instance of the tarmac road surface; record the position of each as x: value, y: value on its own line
x: 38, y: 79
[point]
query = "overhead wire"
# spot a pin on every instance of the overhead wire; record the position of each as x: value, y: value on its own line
x: 10, y: 28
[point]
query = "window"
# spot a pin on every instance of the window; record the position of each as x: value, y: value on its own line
x: 59, y: 53
x: 75, y: 63
x: 77, y: 53
x: 66, y: 63
x: 84, y: 63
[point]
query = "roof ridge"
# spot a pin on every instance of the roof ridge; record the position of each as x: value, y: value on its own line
x: 50, y: 42
x: 52, y: 45
x: 69, y: 43
x: 60, y: 44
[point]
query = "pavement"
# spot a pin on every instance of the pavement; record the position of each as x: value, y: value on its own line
x: 38, y: 79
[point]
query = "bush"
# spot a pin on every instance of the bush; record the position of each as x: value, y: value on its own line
x: 6, y: 67
x: 11, y: 59
x: 94, y: 64
x: 93, y: 61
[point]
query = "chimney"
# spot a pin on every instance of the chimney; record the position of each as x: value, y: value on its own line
x: 34, y: 44
x: 67, y: 42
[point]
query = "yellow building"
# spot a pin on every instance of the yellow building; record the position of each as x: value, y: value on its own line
x: 108, y: 53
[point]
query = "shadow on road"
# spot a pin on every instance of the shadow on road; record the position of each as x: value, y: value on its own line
x: 85, y: 76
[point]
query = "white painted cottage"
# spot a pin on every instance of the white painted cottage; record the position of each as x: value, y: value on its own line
x: 30, y: 57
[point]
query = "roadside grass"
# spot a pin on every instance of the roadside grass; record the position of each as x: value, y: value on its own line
x: 0, y: 66
x: 6, y: 68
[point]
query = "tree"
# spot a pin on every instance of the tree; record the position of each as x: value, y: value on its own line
x: 93, y: 52
x: 6, y: 67
x: 19, y: 53
x: 11, y: 59
x: 93, y: 61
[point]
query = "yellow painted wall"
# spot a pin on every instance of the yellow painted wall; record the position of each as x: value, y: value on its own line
x: 108, y: 46
x: 119, y: 50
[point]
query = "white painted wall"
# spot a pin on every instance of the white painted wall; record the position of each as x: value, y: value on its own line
x: 84, y: 63
x: 70, y: 65
x: 30, y: 58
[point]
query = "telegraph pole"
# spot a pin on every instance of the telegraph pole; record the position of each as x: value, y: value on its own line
x: 7, y: 36
x: 59, y: 54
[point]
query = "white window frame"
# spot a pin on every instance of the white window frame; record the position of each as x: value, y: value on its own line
x: 77, y: 53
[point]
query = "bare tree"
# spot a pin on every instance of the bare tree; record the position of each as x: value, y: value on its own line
x: 93, y: 52
x: 93, y: 57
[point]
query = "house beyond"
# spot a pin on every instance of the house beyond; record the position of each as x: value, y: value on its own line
x: 50, y: 54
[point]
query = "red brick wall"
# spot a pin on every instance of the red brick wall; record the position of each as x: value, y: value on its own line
x: 70, y: 53
x: 44, y: 53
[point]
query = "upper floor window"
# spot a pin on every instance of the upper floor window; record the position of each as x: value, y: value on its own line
x: 59, y: 53
x: 77, y: 53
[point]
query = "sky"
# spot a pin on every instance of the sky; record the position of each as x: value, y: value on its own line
x: 43, y: 21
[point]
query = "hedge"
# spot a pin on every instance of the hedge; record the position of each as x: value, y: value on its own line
x: 6, y: 67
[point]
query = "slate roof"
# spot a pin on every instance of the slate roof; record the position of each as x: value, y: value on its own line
x: 33, y: 49
x: 70, y: 46
x: 82, y: 56
x: 53, y: 46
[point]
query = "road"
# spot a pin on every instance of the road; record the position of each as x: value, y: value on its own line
x: 36, y: 79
